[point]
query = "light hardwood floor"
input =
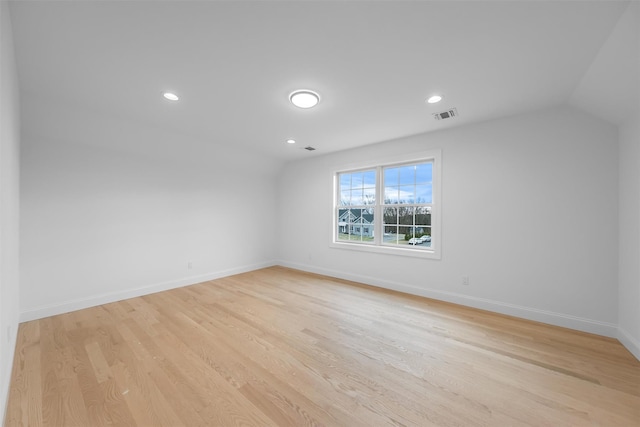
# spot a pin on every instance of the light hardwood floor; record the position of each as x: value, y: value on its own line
x: 282, y: 347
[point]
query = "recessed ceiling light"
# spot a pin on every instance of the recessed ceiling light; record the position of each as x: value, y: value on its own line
x: 434, y: 99
x: 170, y: 96
x: 304, y: 98
x: 291, y: 141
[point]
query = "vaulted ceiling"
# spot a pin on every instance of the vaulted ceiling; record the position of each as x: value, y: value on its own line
x: 373, y: 63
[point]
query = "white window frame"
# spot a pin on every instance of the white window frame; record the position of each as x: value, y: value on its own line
x: 434, y: 252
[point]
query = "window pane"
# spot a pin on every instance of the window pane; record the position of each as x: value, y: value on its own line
x: 390, y: 195
x: 407, y: 194
x: 404, y: 233
x: 424, y: 193
x: 356, y: 215
x: 356, y: 225
x: 356, y: 180
x: 351, y: 216
x: 391, y: 177
x: 423, y: 216
x: 345, y: 181
x: 356, y: 197
x: 343, y: 224
x: 424, y: 173
x: 366, y: 216
x: 345, y: 198
x: 369, y: 195
x: 343, y: 236
x: 426, y: 239
x: 357, y: 188
x: 390, y: 216
x: 407, y: 175
x: 405, y: 215
x: 369, y: 178
x: 390, y: 236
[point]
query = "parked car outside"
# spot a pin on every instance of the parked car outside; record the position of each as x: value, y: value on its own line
x: 415, y: 241
x: 425, y: 238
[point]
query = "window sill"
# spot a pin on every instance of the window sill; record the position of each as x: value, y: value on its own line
x: 387, y: 250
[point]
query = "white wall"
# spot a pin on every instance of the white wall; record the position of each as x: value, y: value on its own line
x: 629, y: 232
x: 113, y: 209
x: 629, y: 239
x: 530, y: 214
x: 9, y: 203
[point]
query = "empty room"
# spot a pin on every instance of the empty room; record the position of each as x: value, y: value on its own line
x: 332, y: 213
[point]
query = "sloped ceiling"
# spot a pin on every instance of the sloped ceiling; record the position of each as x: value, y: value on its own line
x: 610, y: 86
x: 374, y: 64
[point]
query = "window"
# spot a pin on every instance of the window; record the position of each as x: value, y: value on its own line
x: 357, y: 195
x: 390, y: 207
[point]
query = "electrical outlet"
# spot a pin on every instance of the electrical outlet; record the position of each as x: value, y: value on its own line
x: 190, y: 265
x: 465, y: 280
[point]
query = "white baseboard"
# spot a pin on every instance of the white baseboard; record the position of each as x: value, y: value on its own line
x: 629, y: 342
x: 79, y: 304
x: 553, y: 318
x: 530, y: 313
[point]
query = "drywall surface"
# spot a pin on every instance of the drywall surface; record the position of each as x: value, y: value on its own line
x: 9, y: 203
x: 529, y: 214
x: 609, y: 88
x: 113, y: 209
x: 629, y: 275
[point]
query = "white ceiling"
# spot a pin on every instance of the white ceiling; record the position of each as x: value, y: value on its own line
x: 609, y: 89
x: 374, y: 63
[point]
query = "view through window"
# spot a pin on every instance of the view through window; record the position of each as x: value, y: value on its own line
x: 387, y: 206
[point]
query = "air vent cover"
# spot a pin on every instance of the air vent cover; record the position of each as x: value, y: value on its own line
x: 449, y: 114
x: 309, y: 148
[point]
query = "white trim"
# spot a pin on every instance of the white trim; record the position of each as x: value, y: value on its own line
x: 530, y: 313
x: 387, y: 249
x: 544, y: 316
x: 388, y: 160
x: 92, y: 301
x: 629, y: 342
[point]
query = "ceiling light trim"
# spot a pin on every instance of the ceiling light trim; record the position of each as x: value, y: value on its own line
x: 170, y: 96
x: 304, y: 98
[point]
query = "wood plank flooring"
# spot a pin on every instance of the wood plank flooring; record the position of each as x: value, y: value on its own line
x: 286, y: 348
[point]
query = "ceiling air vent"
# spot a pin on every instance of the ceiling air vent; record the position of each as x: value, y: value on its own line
x: 309, y: 148
x: 450, y: 113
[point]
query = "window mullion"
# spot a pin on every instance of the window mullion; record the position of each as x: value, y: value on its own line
x: 377, y: 214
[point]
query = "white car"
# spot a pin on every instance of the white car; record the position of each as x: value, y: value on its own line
x: 415, y: 241
x: 425, y: 238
